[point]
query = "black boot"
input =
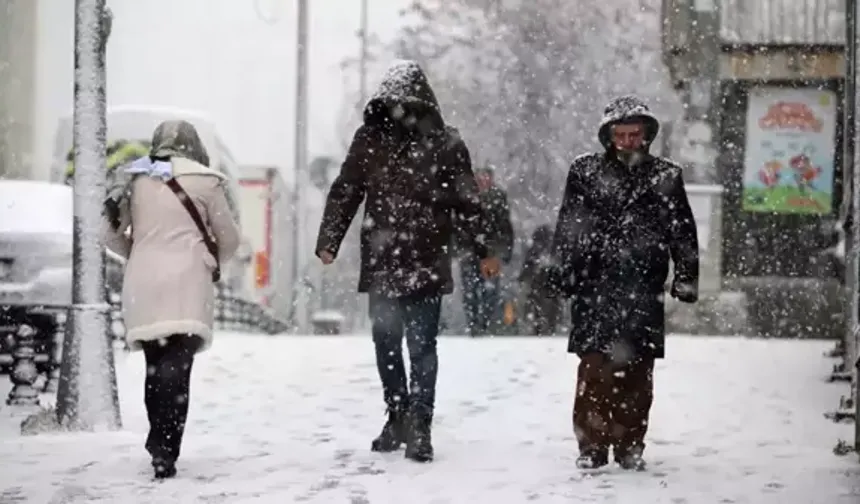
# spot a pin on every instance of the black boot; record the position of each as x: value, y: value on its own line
x: 164, y: 468
x: 419, y: 446
x: 592, y: 459
x: 632, y: 462
x: 393, y: 432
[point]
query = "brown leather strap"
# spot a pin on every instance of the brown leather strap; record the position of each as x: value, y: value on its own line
x: 195, y: 216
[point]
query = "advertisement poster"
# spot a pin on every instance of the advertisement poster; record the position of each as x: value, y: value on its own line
x: 790, y: 147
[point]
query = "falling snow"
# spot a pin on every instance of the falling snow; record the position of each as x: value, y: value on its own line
x: 524, y: 85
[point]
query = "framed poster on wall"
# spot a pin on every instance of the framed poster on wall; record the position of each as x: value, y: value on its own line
x: 789, y: 156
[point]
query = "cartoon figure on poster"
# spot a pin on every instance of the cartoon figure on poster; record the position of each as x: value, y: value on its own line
x: 789, y: 162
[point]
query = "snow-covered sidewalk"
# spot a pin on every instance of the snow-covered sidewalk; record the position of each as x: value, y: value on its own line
x: 290, y: 419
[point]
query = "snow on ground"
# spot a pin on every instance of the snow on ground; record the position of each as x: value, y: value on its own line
x: 290, y: 419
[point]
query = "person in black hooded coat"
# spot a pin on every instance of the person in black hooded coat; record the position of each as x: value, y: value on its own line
x: 414, y: 175
x: 624, y: 215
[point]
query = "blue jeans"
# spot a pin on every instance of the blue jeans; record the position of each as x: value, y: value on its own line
x: 416, y: 318
x: 481, y: 296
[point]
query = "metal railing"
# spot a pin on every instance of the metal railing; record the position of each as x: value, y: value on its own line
x: 233, y: 313
x: 32, y: 338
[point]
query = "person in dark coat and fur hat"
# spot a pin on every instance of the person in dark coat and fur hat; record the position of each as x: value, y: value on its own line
x: 414, y: 175
x: 624, y: 215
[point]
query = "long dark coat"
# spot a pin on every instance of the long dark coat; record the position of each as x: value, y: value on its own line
x: 415, y: 177
x: 542, y: 309
x: 617, y: 229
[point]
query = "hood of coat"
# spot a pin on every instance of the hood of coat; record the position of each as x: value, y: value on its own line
x: 405, y: 96
x: 178, y: 139
x: 185, y: 166
x: 627, y: 109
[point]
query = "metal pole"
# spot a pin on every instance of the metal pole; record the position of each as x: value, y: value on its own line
x: 852, y: 164
x: 362, y: 100
x: 319, y: 169
x: 362, y: 68
x: 300, y: 316
x: 87, y: 397
x: 851, y: 264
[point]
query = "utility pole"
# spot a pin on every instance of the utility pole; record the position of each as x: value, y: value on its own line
x: 87, y: 396
x: 299, y: 318
x: 320, y: 174
x: 362, y: 59
x: 851, y: 172
x: 363, y: 96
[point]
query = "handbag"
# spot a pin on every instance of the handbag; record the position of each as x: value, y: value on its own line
x: 195, y: 216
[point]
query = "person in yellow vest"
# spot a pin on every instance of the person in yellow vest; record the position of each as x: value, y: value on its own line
x: 119, y: 153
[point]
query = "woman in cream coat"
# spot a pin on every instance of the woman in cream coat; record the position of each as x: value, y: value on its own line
x: 168, y: 295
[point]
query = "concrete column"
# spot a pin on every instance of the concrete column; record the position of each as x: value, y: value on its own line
x: 701, y: 92
x: 17, y: 87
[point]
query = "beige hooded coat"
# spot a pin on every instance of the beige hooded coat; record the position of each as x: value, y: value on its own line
x: 167, y: 287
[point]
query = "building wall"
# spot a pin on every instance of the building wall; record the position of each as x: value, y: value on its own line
x: 17, y: 87
x: 748, y: 23
x: 782, y: 21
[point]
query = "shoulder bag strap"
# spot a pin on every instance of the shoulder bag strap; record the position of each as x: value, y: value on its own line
x: 195, y: 216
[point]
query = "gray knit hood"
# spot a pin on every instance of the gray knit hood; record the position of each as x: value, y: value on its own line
x: 627, y: 109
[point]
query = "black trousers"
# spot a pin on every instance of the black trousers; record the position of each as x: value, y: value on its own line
x: 416, y: 318
x: 167, y: 392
